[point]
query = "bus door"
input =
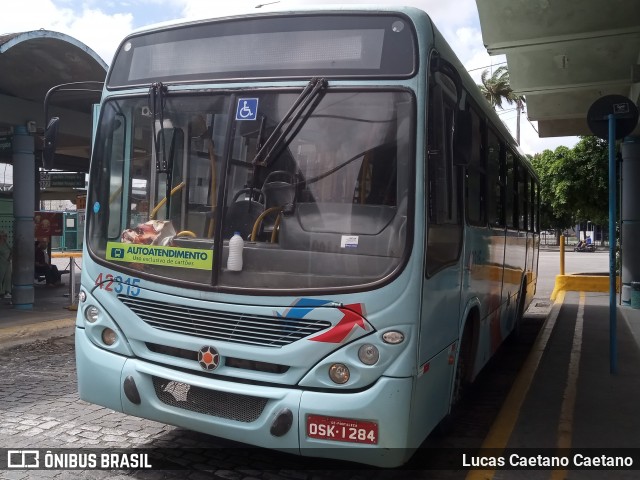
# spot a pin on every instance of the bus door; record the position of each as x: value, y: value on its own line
x: 444, y: 223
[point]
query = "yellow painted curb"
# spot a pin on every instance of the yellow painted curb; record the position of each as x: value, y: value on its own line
x: 582, y: 283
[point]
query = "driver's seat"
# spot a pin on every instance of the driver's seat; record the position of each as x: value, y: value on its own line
x: 279, y: 191
x: 242, y: 213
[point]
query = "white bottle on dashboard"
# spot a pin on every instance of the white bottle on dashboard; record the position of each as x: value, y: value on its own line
x: 234, y: 261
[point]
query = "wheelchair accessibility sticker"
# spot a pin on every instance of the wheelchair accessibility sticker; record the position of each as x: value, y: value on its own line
x: 247, y: 109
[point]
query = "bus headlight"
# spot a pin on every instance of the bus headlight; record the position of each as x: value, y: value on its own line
x: 109, y: 337
x: 339, y: 373
x: 368, y: 354
x: 91, y: 313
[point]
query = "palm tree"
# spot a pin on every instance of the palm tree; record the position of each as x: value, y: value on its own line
x: 498, y: 88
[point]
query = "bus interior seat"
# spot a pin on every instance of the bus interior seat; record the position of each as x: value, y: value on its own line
x: 242, y: 214
x: 279, y: 190
x: 278, y: 193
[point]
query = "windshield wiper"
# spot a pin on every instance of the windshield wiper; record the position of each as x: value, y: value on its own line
x: 295, y: 118
x: 164, y: 164
x: 157, y: 100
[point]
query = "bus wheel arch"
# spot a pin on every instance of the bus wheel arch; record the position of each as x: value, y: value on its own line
x: 517, y: 322
x: 467, y: 351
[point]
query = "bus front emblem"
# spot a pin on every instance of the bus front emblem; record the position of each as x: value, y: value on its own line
x: 208, y: 358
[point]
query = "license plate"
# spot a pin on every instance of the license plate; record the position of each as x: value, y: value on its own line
x: 342, y: 429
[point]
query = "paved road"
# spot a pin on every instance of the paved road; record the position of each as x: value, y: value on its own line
x: 40, y: 408
x: 575, y: 262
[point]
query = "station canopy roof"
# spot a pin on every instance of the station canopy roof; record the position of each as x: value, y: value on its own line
x: 33, y: 62
x: 563, y: 55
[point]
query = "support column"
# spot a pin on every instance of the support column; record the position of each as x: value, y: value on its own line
x: 24, y: 230
x: 630, y: 213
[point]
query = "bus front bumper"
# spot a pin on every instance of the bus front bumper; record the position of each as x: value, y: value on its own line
x: 264, y: 416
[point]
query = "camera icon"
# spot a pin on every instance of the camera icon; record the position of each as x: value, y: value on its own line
x: 23, y: 459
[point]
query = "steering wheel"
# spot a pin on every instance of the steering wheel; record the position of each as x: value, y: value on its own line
x: 186, y: 233
x: 250, y: 191
x: 281, y: 173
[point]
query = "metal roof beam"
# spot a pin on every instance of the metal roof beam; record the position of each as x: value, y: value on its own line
x: 532, y: 44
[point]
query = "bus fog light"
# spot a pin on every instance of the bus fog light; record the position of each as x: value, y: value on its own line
x: 393, y: 337
x: 109, y: 337
x: 339, y: 373
x: 91, y: 314
x: 282, y: 424
x: 368, y: 354
x: 82, y: 296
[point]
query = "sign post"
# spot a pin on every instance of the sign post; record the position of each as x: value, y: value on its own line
x: 612, y: 117
x: 613, y: 320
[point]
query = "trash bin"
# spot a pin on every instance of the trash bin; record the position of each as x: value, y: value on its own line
x: 635, y: 294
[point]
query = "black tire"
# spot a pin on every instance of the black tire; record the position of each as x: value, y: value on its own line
x: 515, y: 334
x: 460, y: 382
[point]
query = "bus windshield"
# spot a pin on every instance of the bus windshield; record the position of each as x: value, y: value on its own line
x: 173, y: 180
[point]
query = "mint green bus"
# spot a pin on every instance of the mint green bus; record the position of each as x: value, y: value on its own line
x: 388, y: 230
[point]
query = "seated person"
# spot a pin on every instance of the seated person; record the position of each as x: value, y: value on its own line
x: 43, y: 265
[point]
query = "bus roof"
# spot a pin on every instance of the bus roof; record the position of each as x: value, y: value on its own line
x: 262, y: 8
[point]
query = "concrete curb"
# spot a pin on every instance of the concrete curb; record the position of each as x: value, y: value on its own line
x: 582, y: 283
x: 19, y: 334
x: 632, y: 317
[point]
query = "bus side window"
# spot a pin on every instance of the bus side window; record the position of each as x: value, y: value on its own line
x: 495, y: 209
x: 444, y: 192
x: 115, y: 152
x: 533, y: 214
x: 512, y: 191
x: 476, y: 175
x: 523, y: 201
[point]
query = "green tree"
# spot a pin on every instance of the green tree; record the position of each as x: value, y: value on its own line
x: 554, y: 213
x: 573, y: 184
x: 497, y: 88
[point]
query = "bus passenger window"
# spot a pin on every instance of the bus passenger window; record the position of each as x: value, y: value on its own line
x: 444, y: 192
x: 115, y: 152
x: 533, y: 219
x: 495, y: 210
x: 511, y: 192
x: 523, y: 193
x: 476, y: 175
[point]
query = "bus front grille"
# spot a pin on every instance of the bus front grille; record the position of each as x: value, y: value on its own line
x: 231, y: 406
x: 263, y: 330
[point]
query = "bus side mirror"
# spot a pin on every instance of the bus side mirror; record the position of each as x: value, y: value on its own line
x: 50, y: 141
x: 462, y: 138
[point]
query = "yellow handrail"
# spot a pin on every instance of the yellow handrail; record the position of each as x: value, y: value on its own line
x: 177, y: 188
x: 256, y: 225
x: 113, y: 196
x: 276, y: 227
x: 214, y: 194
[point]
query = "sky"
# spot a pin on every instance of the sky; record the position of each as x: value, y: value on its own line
x: 101, y: 25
